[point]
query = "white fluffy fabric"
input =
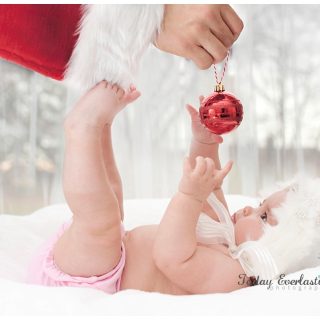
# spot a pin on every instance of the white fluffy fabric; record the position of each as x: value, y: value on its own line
x: 111, y: 42
x: 294, y: 242
x: 20, y: 236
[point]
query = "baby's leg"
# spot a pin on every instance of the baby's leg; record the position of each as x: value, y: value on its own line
x: 92, y: 244
x: 111, y: 166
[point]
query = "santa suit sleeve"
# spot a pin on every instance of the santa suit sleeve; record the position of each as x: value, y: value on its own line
x: 80, y: 44
x: 112, y: 39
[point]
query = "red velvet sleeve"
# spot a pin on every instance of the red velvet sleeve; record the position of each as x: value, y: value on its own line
x: 39, y: 37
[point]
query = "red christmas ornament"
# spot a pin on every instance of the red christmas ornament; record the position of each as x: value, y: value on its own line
x: 221, y: 112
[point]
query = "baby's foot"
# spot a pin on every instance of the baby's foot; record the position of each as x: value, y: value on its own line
x: 117, y: 99
x: 100, y: 105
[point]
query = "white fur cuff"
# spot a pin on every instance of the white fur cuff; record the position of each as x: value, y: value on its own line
x: 111, y: 42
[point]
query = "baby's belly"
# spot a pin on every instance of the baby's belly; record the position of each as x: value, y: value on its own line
x: 140, y: 271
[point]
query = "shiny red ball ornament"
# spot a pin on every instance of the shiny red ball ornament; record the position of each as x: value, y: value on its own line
x: 221, y: 112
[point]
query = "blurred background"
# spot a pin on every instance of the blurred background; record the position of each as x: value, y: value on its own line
x: 274, y: 69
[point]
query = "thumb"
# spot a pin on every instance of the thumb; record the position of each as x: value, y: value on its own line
x: 226, y: 169
x: 218, y: 139
x: 186, y: 165
x: 192, y: 111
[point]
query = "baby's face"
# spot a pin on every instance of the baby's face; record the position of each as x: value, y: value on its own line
x: 248, y: 222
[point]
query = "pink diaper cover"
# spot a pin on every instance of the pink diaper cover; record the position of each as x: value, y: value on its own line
x: 43, y: 271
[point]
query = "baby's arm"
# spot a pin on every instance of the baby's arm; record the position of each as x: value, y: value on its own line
x: 208, y: 151
x: 206, y: 144
x: 177, y: 254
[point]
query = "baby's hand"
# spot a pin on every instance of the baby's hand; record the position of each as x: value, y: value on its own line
x: 199, y: 131
x: 200, y: 181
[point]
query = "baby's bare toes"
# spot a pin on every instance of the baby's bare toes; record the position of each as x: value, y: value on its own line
x: 102, y: 83
x: 108, y: 85
x: 114, y: 88
x: 120, y: 93
x: 99, y: 85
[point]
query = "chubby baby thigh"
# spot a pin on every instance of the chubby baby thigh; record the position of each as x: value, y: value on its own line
x: 84, y: 251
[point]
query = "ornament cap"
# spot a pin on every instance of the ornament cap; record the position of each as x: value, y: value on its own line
x: 219, y: 87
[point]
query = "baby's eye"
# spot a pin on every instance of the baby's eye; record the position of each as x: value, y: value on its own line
x: 264, y: 216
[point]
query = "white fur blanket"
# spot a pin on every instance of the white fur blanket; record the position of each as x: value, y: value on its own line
x: 20, y: 236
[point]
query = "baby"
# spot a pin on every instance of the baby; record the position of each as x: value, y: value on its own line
x: 93, y: 250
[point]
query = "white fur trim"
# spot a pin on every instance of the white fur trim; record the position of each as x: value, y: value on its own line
x: 111, y: 42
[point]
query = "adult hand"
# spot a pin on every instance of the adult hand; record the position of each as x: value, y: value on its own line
x: 203, y: 33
